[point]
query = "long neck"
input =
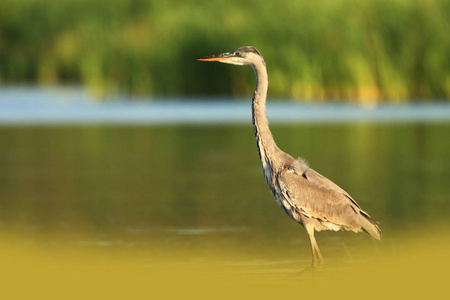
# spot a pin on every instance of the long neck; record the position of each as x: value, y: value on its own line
x: 264, y: 139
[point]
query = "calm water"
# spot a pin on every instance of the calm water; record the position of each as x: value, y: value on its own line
x: 126, y: 200
x: 202, y: 186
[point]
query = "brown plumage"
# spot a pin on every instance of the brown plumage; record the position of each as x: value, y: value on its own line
x: 302, y: 193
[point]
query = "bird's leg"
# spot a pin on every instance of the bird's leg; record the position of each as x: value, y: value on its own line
x: 319, y: 257
x: 316, y: 254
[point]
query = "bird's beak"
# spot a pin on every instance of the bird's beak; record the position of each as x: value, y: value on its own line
x: 217, y: 57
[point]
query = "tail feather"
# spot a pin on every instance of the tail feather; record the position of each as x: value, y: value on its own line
x: 371, y: 226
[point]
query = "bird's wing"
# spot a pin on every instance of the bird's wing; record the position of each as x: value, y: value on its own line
x: 323, y: 182
x: 301, y: 167
x: 315, y: 196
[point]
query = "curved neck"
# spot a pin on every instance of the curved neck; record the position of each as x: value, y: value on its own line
x: 265, y: 142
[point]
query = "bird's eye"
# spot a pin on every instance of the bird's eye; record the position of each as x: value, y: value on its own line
x: 237, y: 53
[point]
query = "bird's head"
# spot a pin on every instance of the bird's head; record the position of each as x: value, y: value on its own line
x: 241, y: 56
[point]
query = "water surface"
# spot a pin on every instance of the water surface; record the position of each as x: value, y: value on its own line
x: 196, y: 185
x: 138, y: 202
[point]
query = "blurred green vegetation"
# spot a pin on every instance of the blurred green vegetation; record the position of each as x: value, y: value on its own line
x: 335, y: 50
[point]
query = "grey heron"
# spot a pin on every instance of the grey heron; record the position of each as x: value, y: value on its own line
x: 303, y: 194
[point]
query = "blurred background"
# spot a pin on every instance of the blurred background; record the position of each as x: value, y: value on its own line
x: 124, y: 159
x: 340, y: 50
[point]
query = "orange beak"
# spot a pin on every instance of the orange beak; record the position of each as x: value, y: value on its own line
x: 216, y: 57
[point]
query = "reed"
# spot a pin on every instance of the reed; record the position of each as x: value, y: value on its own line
x: 340, y: 50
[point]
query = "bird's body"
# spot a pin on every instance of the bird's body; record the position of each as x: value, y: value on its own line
x: 302, y: 193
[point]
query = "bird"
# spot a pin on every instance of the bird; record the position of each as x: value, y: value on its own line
x: 306, y: 196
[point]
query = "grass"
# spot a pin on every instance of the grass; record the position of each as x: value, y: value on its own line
x: 364, y: 51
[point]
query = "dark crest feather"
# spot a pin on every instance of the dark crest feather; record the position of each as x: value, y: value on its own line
x: 248, y: 49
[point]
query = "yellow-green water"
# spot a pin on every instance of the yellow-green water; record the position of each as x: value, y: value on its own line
x: 182, y: 211
x: 414, y: 268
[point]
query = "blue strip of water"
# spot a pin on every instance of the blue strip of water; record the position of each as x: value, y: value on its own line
x: 30, y: 106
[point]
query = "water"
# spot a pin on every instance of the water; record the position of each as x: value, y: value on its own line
x: 72, y: 106
x: 172, y: 195
x: 143, y: 182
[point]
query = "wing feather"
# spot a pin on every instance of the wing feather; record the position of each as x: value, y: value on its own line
x: 320, y: 198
